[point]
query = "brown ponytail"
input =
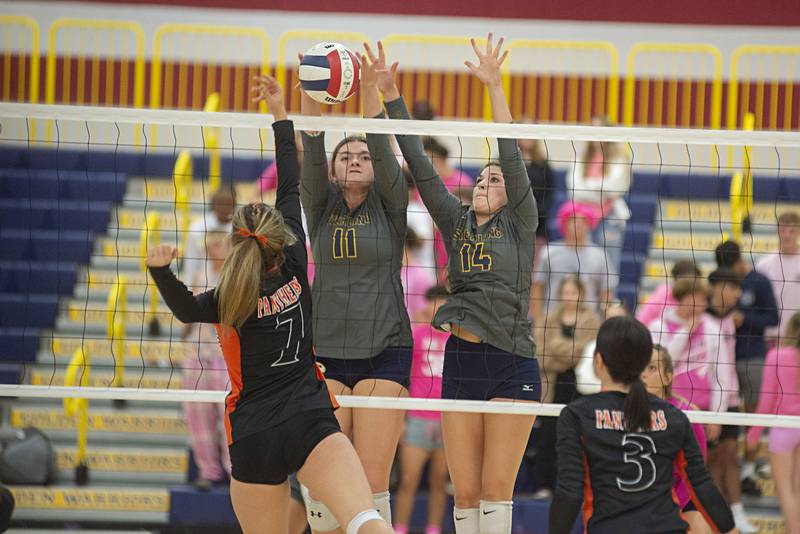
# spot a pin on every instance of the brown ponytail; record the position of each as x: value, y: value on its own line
x: 258, y: 238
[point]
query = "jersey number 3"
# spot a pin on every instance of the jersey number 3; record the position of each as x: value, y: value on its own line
x: 472, y: 257
x: 639, y: 450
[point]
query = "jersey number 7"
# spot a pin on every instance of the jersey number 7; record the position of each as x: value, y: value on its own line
x: 291, y: 317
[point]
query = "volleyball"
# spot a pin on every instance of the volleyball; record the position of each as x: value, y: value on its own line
x: 329, y: 73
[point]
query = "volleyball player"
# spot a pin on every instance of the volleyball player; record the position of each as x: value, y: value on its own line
x: 356, y: 213
x: 279, y: 415
x: 490, y: 353
x: 617, y: 449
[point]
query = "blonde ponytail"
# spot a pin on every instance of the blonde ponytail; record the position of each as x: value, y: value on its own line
x: 258, y: 238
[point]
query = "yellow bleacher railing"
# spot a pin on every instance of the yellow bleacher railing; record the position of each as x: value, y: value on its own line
x: 211, y: 141
x: 576, y: 97
x: 741, y: 194
x: 150, y: 237
x: 768, y: 85
x: 689, y: 112
x: 182, y: 181
x: 194, y: 47
x: 115, y: 326
x: 78, y: 375
x: 467, y: 96
x: 294, y: 41
x: 21, y: 48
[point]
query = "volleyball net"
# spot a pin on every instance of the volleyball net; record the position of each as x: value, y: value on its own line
x: 81, y: 205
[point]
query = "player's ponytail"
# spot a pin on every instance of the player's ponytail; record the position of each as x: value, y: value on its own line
x: 626, y: 347
x: 258, y: 238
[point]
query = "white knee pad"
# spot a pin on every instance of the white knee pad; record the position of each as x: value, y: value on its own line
x: 496, y: 517
x: 360, y: 519
x: 467, y: 520
x: 383, y: 505
x: 320, y: 519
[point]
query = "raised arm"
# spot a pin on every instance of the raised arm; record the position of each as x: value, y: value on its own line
x: 187, y: 308
x: 442, y: 205
x: 518, y: 184
x: 287, y: 199
x: 390, y: 182
x: 568, y: 496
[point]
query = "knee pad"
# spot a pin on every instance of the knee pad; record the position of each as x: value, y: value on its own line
x: 495, y: 517
x: 360, y: 519
x: 467, y: 520
x: 383, y: 505
x: 320, y: 519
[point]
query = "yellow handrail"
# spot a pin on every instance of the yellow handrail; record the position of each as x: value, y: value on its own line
x: 182, y: 181
x: 741, y: 194
x: 115, y: 326
x: 211, y: 136
x: 149, y: 237
x: 79, y: 407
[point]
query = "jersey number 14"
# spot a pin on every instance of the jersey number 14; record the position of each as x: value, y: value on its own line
x: 472, y: 257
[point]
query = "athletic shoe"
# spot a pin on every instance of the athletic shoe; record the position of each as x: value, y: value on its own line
x: 742, y: 521
x: 750, y: 488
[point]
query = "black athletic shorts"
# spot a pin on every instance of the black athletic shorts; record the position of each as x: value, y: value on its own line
x: 393, y: 364
x: 479, y: 371
x: 728, y: 431
x: 270, y: 456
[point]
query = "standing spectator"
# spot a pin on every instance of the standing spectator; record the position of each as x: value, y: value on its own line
x: 193, y: 270
x: 417, y: 278
x: 534, y: 152
x: 756, y: 311
x: 783, y: 270
x: 268, y: 181
x: 601, y: 178
x: 575, y: 255
x: 723, y: 461
x: 780, y: 395
x: 586, y: 381
x: 422, y: 442
x: 661, y: 297
x: 204, y: 368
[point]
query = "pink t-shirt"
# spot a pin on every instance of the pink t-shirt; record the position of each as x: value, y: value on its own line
x: 426, y: 368
x: 659, y: 300
x: 679, y: 486
x: 268, y: 181
x: 783, y: 271
x: 416, y: 280
x: 780, y: 387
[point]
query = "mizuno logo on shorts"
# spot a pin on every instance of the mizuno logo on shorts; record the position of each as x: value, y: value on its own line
x: 527, y: 387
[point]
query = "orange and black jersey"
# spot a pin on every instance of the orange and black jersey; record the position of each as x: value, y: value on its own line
x: 624, y: 479
x: 270, y: 357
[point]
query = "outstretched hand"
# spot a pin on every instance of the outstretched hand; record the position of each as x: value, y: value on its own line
x: 265, y: 88
x: 489, y: 62
x: 161, y: 256
x: 376, y: 73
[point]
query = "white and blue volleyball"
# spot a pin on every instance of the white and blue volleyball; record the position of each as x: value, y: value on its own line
x: 329, y: 73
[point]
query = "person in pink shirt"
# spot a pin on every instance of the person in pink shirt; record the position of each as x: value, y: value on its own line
x: 783, y: 270
x: 657, y: 377
x: 780, y: 395
x: 661, y: 297
x: 423, y: 433
x: 416, y: 277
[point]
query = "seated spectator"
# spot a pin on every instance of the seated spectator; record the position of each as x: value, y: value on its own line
x: 661, y: 297
x: 204, y: 368
x: 586, y: 380
x: 782, y: 268
x: 601, y: 179
x: 575, y: 255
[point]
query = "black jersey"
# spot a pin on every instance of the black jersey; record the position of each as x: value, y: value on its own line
x: 270, y: 357
x: 624, y: 479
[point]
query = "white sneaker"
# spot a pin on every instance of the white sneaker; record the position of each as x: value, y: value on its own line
x: 743, y: 522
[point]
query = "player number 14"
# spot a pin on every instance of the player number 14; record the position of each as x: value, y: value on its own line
x: 472, y: 257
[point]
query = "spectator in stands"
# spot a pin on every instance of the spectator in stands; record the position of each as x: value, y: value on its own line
x: 600, y: 179
x: 419, y: 221
x: 422, y: 110
x: 204, y: 368
x: 586, y: 381
x: 534, y: 152
x: 575, y: 255
x: 756, y: 311
x: 723, y: 462
x: 268, y: 181
x: 661, y: 297
x: 780, y: 395
x: 422, y: 442
x: 561, y: 340
x: 783, y: 270
x: 417, y: 278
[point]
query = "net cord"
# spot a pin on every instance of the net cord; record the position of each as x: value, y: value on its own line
x: 385, y: 403
x: 551, y: 132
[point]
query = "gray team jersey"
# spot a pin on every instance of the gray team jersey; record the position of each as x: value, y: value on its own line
x: 357, y: 293
x: 489, y: 266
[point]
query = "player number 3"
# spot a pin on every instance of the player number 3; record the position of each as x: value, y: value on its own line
x: 639, y: 449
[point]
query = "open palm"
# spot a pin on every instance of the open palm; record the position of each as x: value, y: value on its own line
x: 374, y: 69
x: 489, y: 62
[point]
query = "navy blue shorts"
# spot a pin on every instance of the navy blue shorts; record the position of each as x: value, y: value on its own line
x: 479, y: 371
x: 393, y: 364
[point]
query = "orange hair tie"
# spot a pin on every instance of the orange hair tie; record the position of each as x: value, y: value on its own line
x: 244, y: 232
